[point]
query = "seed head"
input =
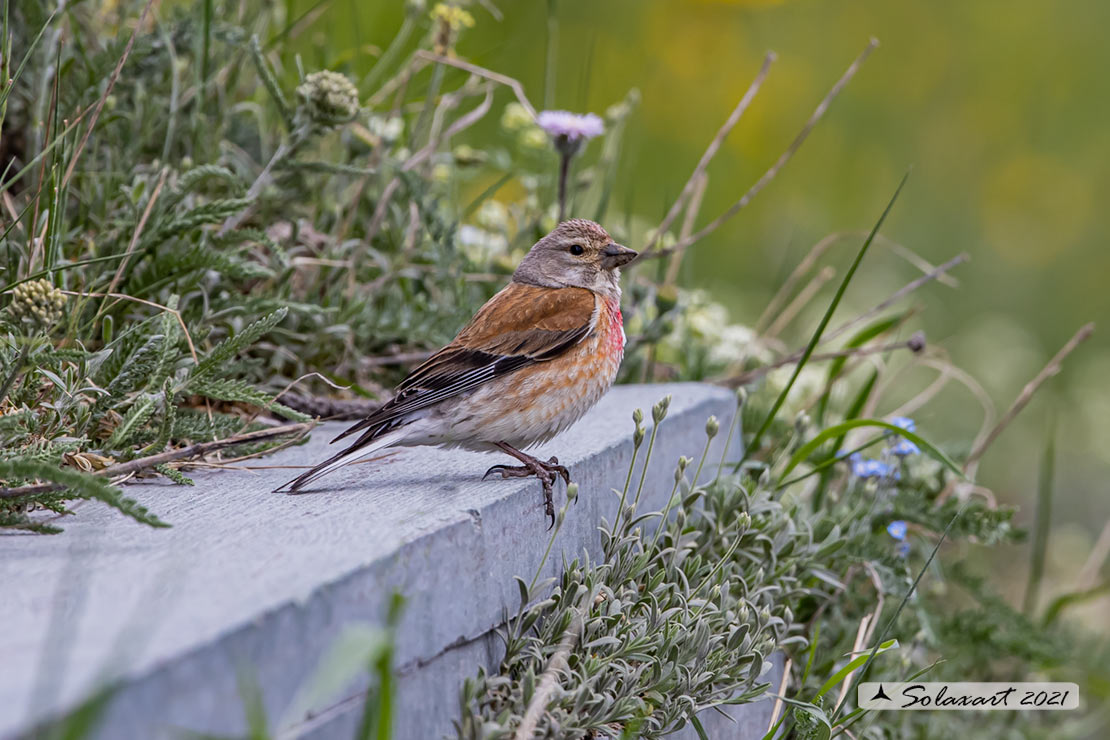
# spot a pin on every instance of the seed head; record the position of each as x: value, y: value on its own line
x: 328, y: 98
x: 38, y: 302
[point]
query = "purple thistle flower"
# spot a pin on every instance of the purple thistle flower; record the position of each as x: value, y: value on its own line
x: 897, y: 529
x: 904, y: 447
x: 568, y: 131
x: 570, y: 126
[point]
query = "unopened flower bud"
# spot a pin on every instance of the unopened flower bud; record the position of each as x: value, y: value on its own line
x: 744, y: 520
x: 516, y: 117
x: 659, y: 410
x: 741, y: 395
x: 467, y: 155
x: 916, y: 342
x: 533, y: 137
x: 37, y: 301
x: 712, y: 426
x: 328, y: 98
x: 666, y: 298
x: 638, y: 436
x: 638, y: 416
x: 572, y: 491
x: 801, y: 422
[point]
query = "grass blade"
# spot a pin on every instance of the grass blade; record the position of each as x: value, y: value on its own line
x: 852, y: 665
x: 1043, y: 521
x: 902, y: 604
x: 754, y: 445
x: 835, y: 431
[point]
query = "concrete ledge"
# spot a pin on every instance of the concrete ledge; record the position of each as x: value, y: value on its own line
x: 250, y: 578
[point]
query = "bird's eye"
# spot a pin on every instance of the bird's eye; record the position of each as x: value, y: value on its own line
x: 577, y: 249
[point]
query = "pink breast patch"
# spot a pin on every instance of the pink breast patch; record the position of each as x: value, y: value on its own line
x: 617, y: 338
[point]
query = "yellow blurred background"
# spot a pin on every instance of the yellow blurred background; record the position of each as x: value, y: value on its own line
x: 1001, y: 109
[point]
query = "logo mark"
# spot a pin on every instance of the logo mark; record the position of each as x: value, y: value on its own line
x: 880, y: 694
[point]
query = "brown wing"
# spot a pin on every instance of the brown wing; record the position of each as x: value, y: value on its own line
x: 520, y: 326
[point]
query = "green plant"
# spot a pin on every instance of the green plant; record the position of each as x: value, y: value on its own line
x: 801, y: 548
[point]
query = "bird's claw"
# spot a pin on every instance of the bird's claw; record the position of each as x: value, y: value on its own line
x: 548, y: 472
x: 553, y: 466
x: 509, y: 471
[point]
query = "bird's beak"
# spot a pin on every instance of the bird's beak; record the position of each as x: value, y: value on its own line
x: 615, y: 255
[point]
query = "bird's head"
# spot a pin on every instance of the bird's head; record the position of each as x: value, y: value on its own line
x: 579, y: 254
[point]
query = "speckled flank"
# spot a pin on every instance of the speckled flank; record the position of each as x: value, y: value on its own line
x: 534, y: 404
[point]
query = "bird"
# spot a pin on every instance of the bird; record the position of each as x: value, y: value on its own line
x: 538, y: 355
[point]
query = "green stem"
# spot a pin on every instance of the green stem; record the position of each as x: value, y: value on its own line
x: 385, y: 61
x: 550, y: 542
x: 429, y: 104
x: 754, y: 445
x: 830, y: 462
x: 1043, y: 521
x: 10, y: 380
x: 647, y: 459
x: 549, y: 57
x: 728, y: 439
x: 701, y: 463
x: 564, y: 173
x: 666, y: 513
x: 624, y: 494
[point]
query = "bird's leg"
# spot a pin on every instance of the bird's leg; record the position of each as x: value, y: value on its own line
x: 545, y: 471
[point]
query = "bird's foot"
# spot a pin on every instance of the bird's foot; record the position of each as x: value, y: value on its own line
x: 547, y: 471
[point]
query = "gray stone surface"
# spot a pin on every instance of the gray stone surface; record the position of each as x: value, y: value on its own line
x: 248, y: 579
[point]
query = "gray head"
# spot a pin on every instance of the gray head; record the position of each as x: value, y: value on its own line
x: 578, y: 253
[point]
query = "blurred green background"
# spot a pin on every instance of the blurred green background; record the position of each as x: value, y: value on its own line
x: 1000, y: 108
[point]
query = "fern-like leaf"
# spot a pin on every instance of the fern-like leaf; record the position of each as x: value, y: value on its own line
x: 136, y: 371
x: 133, y: 421
x: 232, y: 346
x: 79, y: 485
x: 176, y: 265
x: 175, y: 475
x: 212, y: 212
x: 243, y: 392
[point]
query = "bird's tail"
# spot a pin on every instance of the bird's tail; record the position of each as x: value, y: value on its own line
x: 365, y: 445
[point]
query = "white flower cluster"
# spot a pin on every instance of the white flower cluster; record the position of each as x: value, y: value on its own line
x: 701, y: 333
x: 328, y: 98
x: 38, y: 301
x: 489, y: 239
